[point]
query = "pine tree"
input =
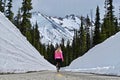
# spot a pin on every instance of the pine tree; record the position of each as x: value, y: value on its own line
x: 9, y: 13
x: 96, y: 38
x: 89, y: 32
x: 64, y: 51
x: 51, y: 54
x: 48, y: 53
x: 44, y: 51
x: 1, y: 6
x: 17, y: 19
x: 88, y: 22
x: 33, y: 36
x: 82, y: 40
x: 77, y: 43
x: 26, y: 15
x: 108, y: 26
x: 117, y: 28
x: 88, y: 46
x: 4, y: 5
x: 36, y: 37
x: 74, y: 44
x: 69, y: 51
x: 29, y: 36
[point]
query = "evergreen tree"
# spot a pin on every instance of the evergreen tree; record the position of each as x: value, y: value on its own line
x: 117, y: 28
x: 108, y: 26
x: 44, y: 51
x: 1, y: 6
x: 82, y: 40
x: 4, y: 5
x: 69, y: 51
x: 88, y: 46
x: 47, y: 56
x: 28, y: 35
x: 96, y: 38
x: 74, y: 44
x: 64, y: 51
x: 88, y: 23
x: 89, y: 32
x: 33, y: 36
x: 77, y: 43
x: 9, y: 13
x: 17, y: 19
x: 62, y: 43
x: 26, y: 15
x: 67, y: 59
x: 51, y: 54
x: 36, y: 37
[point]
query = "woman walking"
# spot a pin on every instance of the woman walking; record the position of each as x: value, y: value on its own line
x: 58, y: 58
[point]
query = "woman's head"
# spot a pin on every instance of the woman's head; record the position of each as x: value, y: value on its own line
x: 59, y: 48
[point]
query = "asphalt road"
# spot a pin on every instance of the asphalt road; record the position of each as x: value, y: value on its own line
x: 52, y: 75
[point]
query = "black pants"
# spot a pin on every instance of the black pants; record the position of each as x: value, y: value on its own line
x: 58, y: 63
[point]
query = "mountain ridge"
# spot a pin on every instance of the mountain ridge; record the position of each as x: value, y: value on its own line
x: 50, y: 27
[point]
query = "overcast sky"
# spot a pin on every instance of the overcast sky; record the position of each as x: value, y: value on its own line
x: 60, y: 8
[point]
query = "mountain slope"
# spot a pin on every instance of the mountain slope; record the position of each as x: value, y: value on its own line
x: 103, y: 58
x: 53, y: 30
x: 16, y: 53
x: 50, y: 31
x: 70, y: 22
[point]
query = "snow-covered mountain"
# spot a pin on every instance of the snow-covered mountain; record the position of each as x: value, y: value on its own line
x: 16, y: 53
x: 104, y: 58
x: 53, y: 30
x: 69, y: 22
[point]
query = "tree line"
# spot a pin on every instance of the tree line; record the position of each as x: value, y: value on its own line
x: 84, y: 39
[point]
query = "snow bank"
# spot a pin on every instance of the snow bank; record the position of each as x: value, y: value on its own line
x: 16, y: 53
x: 103, y: 58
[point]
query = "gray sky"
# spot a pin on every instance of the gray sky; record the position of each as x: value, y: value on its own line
x: 60, y: 8
x: 66, y: 7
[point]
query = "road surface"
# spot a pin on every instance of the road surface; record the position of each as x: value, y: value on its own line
x: 51, y: 75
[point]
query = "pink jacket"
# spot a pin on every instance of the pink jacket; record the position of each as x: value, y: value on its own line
x: 58, y: 55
